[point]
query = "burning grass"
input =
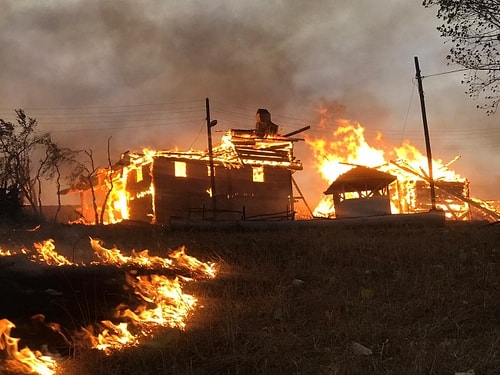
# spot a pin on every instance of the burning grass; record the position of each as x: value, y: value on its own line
x: 350, y: 300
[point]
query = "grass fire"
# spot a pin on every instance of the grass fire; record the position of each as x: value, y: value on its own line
x: 357, y: 298
x: 157, y: 284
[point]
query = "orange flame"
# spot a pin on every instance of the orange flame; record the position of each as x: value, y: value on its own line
x: 171, y: 304
x: 47, y: 253
x: 348, y: 147
x: 164, y: 302
x: 143, y: 259
x: 112, y: 337
x: 34, y: 362
x: 208, y: 269
x: 165, y: 305
x: 114, y: 256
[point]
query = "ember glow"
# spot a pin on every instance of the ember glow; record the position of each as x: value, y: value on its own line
x: 347, y: 147
x: 8, y: 253
x: 162, y: 302
x: 5, y: 253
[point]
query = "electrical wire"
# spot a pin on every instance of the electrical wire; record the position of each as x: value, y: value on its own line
x: 197, y: 136
x: 407, y: 112
x: 178, y: 114
x: 447, y: 72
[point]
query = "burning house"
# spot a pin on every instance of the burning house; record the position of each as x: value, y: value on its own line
x: 252, y: 179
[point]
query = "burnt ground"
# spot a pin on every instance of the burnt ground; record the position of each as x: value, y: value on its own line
x: 70, y: 296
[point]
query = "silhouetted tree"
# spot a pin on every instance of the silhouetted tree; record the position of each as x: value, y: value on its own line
x: 27, y: 157
x: 19, y: 143
x: 473, y: 27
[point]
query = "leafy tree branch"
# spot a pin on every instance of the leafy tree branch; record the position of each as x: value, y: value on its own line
x: 473, y: 28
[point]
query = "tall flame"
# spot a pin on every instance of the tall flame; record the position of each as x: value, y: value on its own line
x: 164, y: 302
x: 170, y: 304
x: 347, y: 147
x: 46, y: 250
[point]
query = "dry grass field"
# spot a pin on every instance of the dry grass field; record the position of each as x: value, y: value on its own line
x: 351, y: 300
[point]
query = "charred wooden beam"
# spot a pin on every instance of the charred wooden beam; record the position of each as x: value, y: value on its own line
x: 298, y: 131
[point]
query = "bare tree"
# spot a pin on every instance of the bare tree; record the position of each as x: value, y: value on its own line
x: 473, y: 27
x: 28, y: 157
x: 85, y: 175
x: 55, y: 159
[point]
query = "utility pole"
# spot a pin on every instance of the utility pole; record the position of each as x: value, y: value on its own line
x: 210, y: 125
x: 426, y: 133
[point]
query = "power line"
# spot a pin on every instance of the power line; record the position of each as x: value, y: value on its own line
x: 447, y: 72
x: 179, y: 114
x: 407, y: 112
x: 99, y: 108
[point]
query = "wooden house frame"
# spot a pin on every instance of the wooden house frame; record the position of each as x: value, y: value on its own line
x: 253, y: 180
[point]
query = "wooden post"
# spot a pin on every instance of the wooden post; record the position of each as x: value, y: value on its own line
x: 210, y: 124
x: 426, y: 133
